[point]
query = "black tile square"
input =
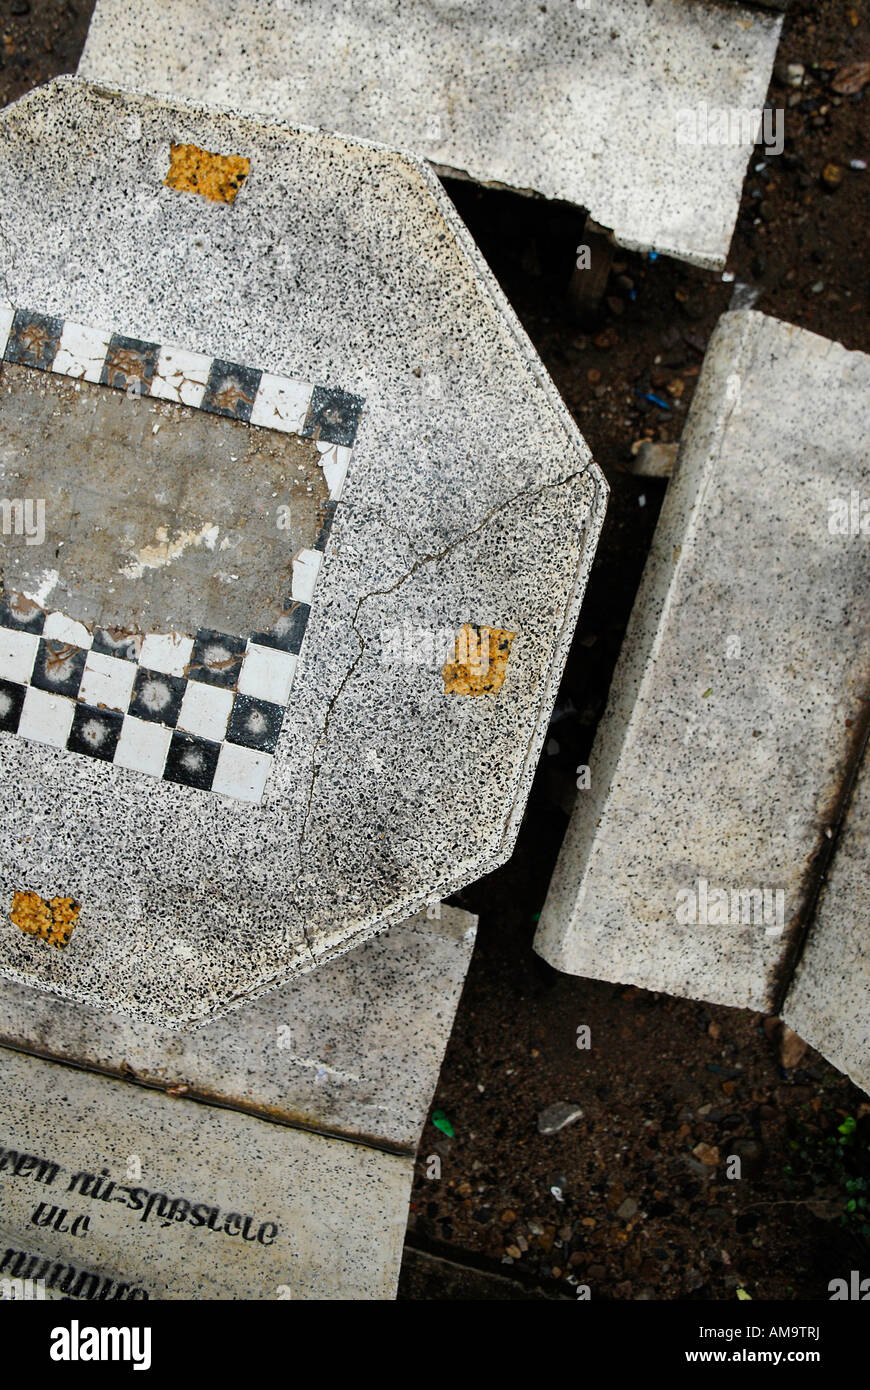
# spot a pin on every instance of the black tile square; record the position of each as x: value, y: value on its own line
x: 231, y: 390
x: 157, y: 697
x: 216, y: 658
x: 58, y: 667
x: 333, y: 416
x: 11, y: 705
x: 21, y: 613
x: 34, y: 339
x: 129, y: 361
x: 95, y: 732
x: 327, y: 519
x: 287, y: 634
x: 255, y: 723
x: 191, y: 761
x: 114, y: 642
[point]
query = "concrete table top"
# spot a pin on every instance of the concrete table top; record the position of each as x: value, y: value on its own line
x: 305, y: 340
x: 618, y: 108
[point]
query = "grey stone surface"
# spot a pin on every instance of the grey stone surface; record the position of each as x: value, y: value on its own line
x: 737, y: 705
x: 471, y: 499
x: 104, y: 1180
x: 353, y: 1048
x: 576, y: 100
x: 828, y: 1003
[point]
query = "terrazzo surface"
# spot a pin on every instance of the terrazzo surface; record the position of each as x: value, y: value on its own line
x: 470, y: 499
x: 576, y: 100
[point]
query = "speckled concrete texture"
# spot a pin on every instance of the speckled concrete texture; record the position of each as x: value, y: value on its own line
x: 737, y: 707
x: 471, y: 499
x: 574, y: 99
x: 828, y: 1002
x: 164, y: 1198
x: 353, y: 1048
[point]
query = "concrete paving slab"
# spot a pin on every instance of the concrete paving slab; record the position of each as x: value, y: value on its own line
x: 187, y: 827
x: 828, y: 1002
x: 113, y: 1192
x: 739, y: 702
x: 642, y: 112
x: 353, y: 1048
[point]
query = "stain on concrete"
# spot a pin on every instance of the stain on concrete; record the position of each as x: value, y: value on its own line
x: 53, y: 921
x: 480, y: 662
x: 217, y: 177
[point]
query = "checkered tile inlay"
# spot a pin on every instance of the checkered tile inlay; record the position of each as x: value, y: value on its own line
x: 203, y: 710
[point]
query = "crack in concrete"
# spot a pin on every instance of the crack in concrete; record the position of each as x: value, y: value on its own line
x: 525, y: 493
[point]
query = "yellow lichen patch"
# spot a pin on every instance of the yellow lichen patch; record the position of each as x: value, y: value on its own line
x: 51, y: 920
x: 217, y: 177
x: 480, y: 661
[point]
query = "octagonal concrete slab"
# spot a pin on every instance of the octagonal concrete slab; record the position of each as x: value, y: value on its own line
x: 643, y: 111
x: 186, y: 262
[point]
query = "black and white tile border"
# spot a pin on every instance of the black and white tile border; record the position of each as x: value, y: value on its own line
x: 204, y: 711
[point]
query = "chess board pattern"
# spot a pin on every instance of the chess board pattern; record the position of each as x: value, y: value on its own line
x: 204, y: 710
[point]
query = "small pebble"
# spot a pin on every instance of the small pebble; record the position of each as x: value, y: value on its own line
x: 558, y: 1116
x: 832, y: 176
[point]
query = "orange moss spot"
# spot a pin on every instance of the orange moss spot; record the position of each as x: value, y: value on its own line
x: 52, y: 920
x: 480, y: 662
x: 217, y: 177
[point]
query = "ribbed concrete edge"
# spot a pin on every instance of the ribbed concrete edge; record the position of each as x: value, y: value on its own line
x: 828, y: 1003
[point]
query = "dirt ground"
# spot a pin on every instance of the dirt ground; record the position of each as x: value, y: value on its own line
x: 632, y: 1199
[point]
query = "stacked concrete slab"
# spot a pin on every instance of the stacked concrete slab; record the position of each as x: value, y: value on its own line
x: 739, y: 707
x: 617, y: 108
x: 267, y: 1155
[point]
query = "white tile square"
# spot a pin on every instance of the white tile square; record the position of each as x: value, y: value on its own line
x: 181, y: 376
x: 267, y: 674
x: 281, y: 403
x: 7, y: 314
x: 59, y: 628
x: 169, y: 653
x: 46, y: 718
x: 335, y: 461
x: 82, y: 352
x: 205, y: 710
x: 17, y: 655
x: 143, y: 746
x: 107, y: 681
x: 306, y: 568
x: 241, y: 773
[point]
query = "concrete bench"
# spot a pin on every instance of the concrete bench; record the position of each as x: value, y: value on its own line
x: 738, y: 708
